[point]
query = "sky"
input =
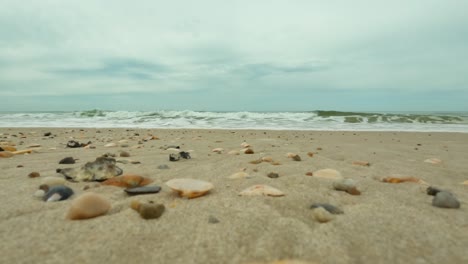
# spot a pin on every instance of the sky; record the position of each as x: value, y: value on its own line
x: 292, y: 55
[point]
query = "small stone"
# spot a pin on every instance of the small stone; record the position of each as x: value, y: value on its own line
x: 218, y: 150
x: 124, y: 154
x: 273, y: 175
x: 19, y: 166
x: 185, y: 155
x: 135, y: 162
x: 267, y: 159
x: 249, y: 151
x: 330, y: 208
x: 309, y: 173
x: 346, y: 185
x: 128, y: 181
x: 150, y: 210
x: 135, y: 205
x: 174, y: 157
x: 34, y: 145
x: 53, y: 181
x: 361, y: 163
x: 233, y: 152
x: 47, y: 134
x: 67, y: 160
x: 245, y: 145
x: 86, y: 187
x: 163, y: 167
x: 293, y: 156
x: 310, y: 154
x: 258, y: 161
x: 432, y: 190
x: 213, y: 220
x: 39, y: 194
x: 88, y: 205
x: 143, y: 190
x: 276, y: 163
x: 34, y: 174
x: 444, y: 199
x: 322, y: 215
x: 58, y: 193
x: 110, y: 145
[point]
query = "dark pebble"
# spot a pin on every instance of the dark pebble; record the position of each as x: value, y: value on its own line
x: 444, y: 199
x: 62, y: 190
x: 185, y: 155
x: 432, y: 190
x: 34, y: 174
x: 67, y: 160
x: 330, y: 208
x: 174, y: 157
x: 124, y: 154
x: 213, y: 220
x: 47, y: 134
x: 143, y: 190
x: 151, y: 211
x: 273, y: 175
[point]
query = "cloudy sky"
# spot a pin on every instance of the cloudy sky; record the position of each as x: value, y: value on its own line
x: 292, y: 55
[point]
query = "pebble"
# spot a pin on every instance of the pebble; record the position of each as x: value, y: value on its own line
x: 110, y: 145
x: 233, y: 152
x: 124, y: 154
x: 67, y: 160
x: 213, y: 220
x: 47, y: 134
x: 239, y: 175
x: 190, y: 188
x: 101, y: 169
x: 248, y: 151
x: 272, y: 175
x: 310, y: 154
x: 143, y: 190
x: 34, y: 174
x: 39, y: 194
x: 163, y: 167
x: 88, y: 205
x: 151, y: 210
x: 261, y: 189
x: 346, y: 185
x: 6, y: 154
x: 293, y: 156
x: 432, y: 190
x: 218, y: 150
x: 309, y: 173
x: 328, y: 174
x: 128, y: 181
x: 34, y: 145
x: 267, y: 159
x: 445, y: 199
x: 330, y: 208
x: 245, y: 145
x: 58, y: 193
x: 258, y: 161
x: 53, y: 181
x: 322, y: 215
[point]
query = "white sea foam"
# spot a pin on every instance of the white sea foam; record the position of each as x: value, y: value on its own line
x: 314, y: 120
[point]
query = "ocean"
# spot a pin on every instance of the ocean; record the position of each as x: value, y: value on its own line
x: 311, y: 120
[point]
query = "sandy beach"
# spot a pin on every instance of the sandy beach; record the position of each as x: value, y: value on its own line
x: 387, y: 223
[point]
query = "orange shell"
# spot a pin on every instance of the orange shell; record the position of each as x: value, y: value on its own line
x: 400, y: 180
x: 128, y: 181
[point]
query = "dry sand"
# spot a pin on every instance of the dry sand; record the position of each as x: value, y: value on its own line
x: 388, y: 223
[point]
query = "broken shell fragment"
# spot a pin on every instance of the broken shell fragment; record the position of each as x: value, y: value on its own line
x: 328, y: 174
x: 190, y: 188
x: 128, y: 181
x: 239, y: 175
x: 260, y: 189
x: 88, y: 205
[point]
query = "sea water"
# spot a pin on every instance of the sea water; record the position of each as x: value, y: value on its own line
x: 311, y: 120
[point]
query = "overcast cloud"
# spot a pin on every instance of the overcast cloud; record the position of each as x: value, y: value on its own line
x: 234, y: 55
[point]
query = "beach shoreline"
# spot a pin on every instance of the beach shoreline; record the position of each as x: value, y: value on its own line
x: 387, y: 223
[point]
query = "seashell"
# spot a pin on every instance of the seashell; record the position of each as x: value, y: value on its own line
x: 433, y: 161
x: 24, y: 151
x: 110, y: 145
x: 34, y: 174
x: 322, y: 215
x: 218, y: 150
x: 328, y: 174
x: 239, y: 175
x: 53, y: 181
x: 124, y: 154
x: 361, y: 163
x: 7, y: 148
x: 128, y: 181
x: 6, y: 154
x: 275, y: 163
x: 330, y: 208
x: 58, y: 193
x: 39, y: 194
x: 143, y: 190
x: 267, y: 159
x: 444, y: 199
x: 123, y: 141
x: 245, y: 145
x: 261, y: 189
x: 248, y: 151
x: 88, y: 205
x: 402, y: 179
x: 150, y: 210
x: 190, y: 188
x: 135, y: 205
x: 256, y: 161
x: 99, y: 170
x: 233, y: 152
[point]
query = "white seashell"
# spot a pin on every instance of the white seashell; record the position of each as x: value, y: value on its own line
x: 218, y: 150
x: 190, y: 188
x: 433, y: 161
x: 261, y: 189
x: 233, y: 152
x: 239, y: 175
x: 245, y: 145
x: 328, y: 174
x: 110, y: 145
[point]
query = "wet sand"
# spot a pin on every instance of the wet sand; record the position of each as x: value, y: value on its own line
x: 387, y: 223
